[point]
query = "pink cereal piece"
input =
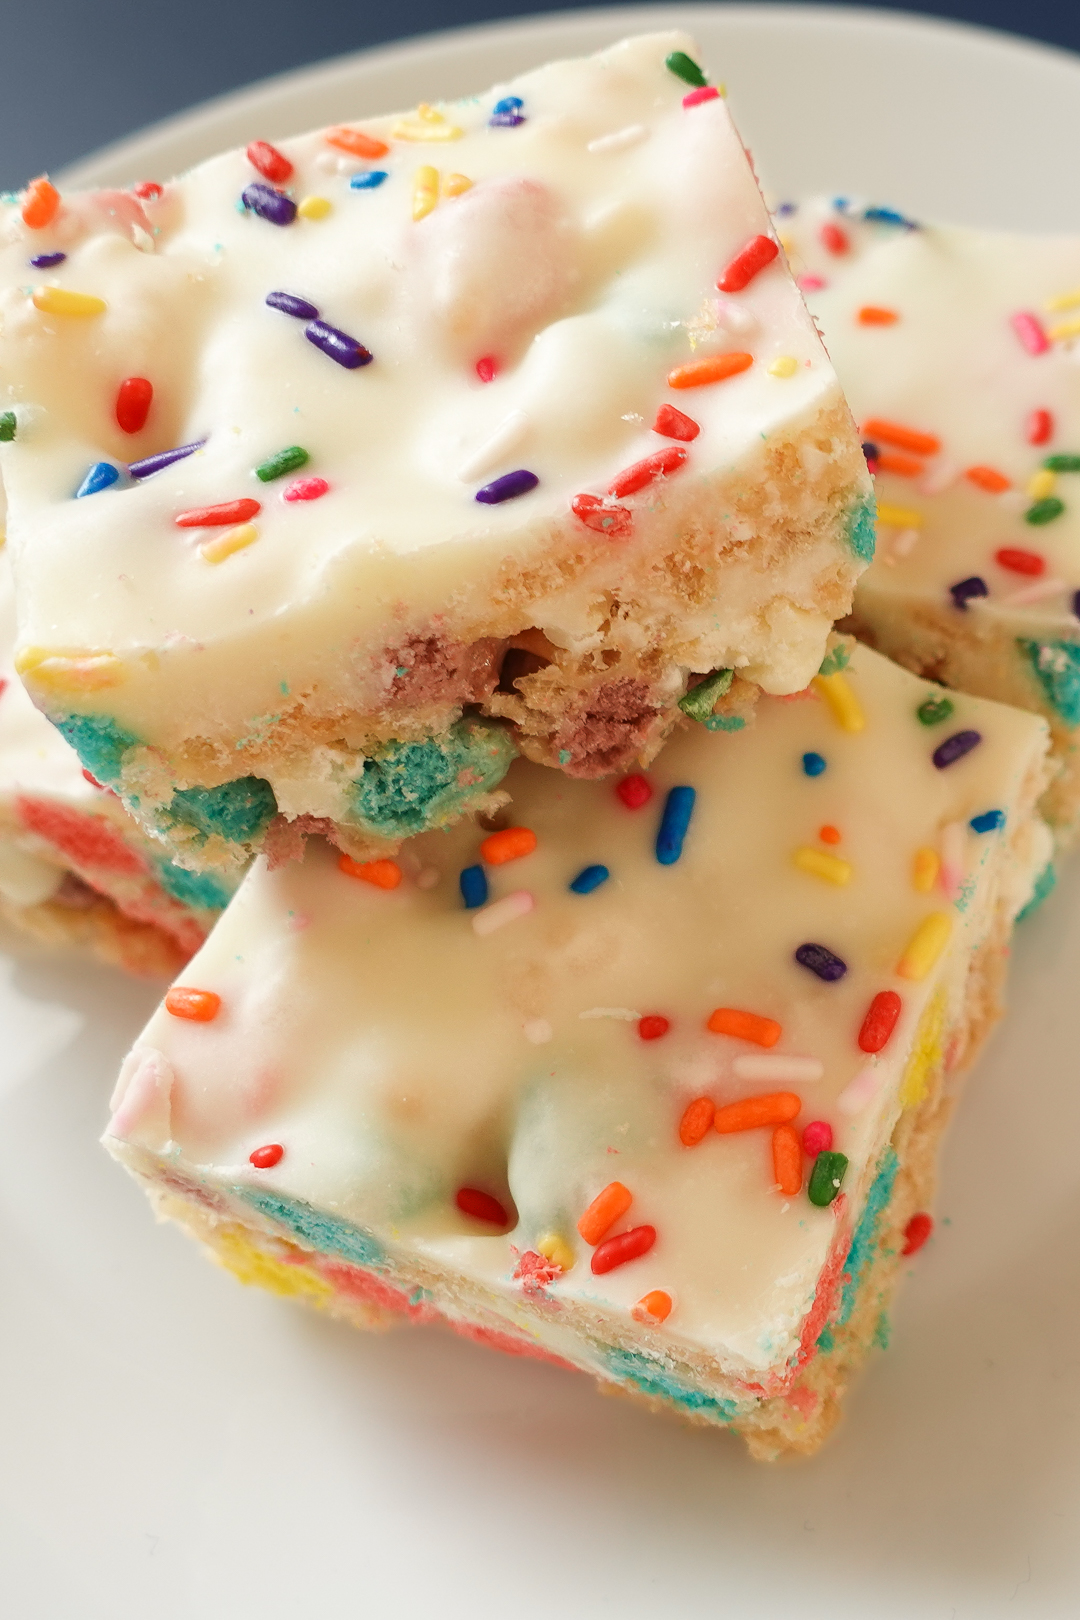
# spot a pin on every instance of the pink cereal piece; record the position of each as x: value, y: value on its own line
x: 1029, y: 329
x: 305, y: 489
x: 817, y: 1137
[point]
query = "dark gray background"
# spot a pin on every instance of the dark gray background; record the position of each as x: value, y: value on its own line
x: 75, y: 74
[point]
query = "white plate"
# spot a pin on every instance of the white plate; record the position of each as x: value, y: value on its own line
x: 176, y: 1448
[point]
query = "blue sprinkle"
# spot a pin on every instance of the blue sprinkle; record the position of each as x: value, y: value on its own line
x: 368, y: 179
x: 965, y: 589
x: 820, y: 960
x: 989, y: 821
x: 508, y: 104
x: 46, y: 261
x: 888, y: 216
x: 589, y: 878
x: 474, y: 886
x: 100, y: 476
x: 271, y: 205
x: 347, y: 351
x: 678, y: 808
x: 164, y: 458
x: 289, y: 304
x: 813, y: 764
x: 507, y: 487
x: 507, y: 114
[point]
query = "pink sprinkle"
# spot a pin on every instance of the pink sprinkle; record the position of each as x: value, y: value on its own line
x: 858, y: 1092
x: 708, y: 92
x: 500, y: 912
x: 305, y: 489
x: 817, y: 1137
x: 1029, y: 330
x: 810, y: 283
x: 486, y: 368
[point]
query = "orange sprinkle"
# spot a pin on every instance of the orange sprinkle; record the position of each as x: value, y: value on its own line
x: 829, y: 835
x: 200, y: 1006
x: 654, y: 1307
x: 715, y: 368
x: 508, y: 845
x: 747, y: 1026
x: 987, y: 478
x: 787, y: 1159
x: 606, y: 1208
x: 892, y: 461
x: 775, y: 1108
x: 872, y: 315
x: 383, y: 874
x: 904, y: 438
x: 40, y: 202
x: 696, y: 1121
x: 356, y: 142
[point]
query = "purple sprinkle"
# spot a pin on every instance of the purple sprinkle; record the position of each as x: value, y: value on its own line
x: 269, y: 204
x: 45, y: 261
x: 505, y: 120
x: 347, y: 351
x: 964, y: 589
x: 506, y: 487
x: 955, y: 747
x: 164, y: 458
x: 820, y: 960
x: 289, y: 304
x: 1076, y: 604
x: 871, y: 452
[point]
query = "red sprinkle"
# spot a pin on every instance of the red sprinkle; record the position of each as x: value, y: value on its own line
x: 217, y: 517
x: 880, y: 1021
x: 481, y: 1206
x: 833, y: 239
x: 696, y: 1122
x: 648, y: 470
x: 829, y: 834
x: 705, y: 92
x: 652, y: 1026
x: 1029, y: 329
x: 305, y: 489
x: 626, y: 1246
x: 1039, y: 427
x: 603, y: 515
x: 149, y: 190
x: 1019, y: 561
x: 271, y: 163
x: 817, y: 1138
x: 634, y: 791
x: 265, y: 1158
x: 200, y: 1006
x: 916, y: 1232
x: 133, y: 400
x: 675, y: 424
x: 486, y: 368
x: 748, y: 263
x: 93, y: 781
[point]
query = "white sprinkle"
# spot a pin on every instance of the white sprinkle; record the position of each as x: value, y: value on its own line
x: 427, y: 877
x: 937, y: 478
x: 733, y: 316
x: 619, y: 139
x: 512, y: 906
x: 858, y: 1092
x: 778, y: 1066
x: 327, y: 162
x: 538, y: 1031
x: 904, y: 542
x: 1037, y: 592
x: 508, y: 436
x: 1013, y: 500
x: 625, y: 1013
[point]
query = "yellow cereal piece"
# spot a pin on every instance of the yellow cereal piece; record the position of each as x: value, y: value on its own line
x: 223, y: 545
x: 823, y: 865
x: 59, y: 301
x: 924, y: 870
x: 254, y: 1266
x: 1063, y: 330
x: 455, y: 184
x: 785, y: 365
x: 841, y: 700
x: 429, y: 124
x: 1041, y: 484
x: 1067, y: 300
x: 425, y: 191
x: 314, y: 207
x: 927, y: 1051
x: 898, y: 517
x: 925, y: 946
x: 556, y: 1249
x: 67, y: 670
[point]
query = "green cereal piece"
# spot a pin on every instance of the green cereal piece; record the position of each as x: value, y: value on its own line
x: 933, y: 710
x: 1062, y: 463
x: 1044, y: 511
x: 825, y: 1178
x: 684, y: 67
x: 836, y: 659
x: 7, y: 427
x: 284, y: 461
x: 700, y: 700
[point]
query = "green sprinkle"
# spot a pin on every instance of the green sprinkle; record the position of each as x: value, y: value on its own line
x: 1044, y: 511
x: 700, y: 700
x: 825, y: 1178
x: 836, y: 659
x: 7, y: 427
x: 1063, y: 463
x: 933, y: 710
x: 684, y: 67
x: 285, y: 461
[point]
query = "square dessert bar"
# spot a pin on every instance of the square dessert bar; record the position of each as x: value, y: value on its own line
x: 958, y: 350
x: 404, y: 445
x: 649, y: 1081
x: 75, y: 869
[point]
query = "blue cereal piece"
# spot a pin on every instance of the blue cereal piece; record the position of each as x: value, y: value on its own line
x: 1056, y: 666
x: 860, y: 528
x: 199, y: 889
x: 237, y: 811
x: 409, y: 787
x: 589, y: 878
x: 99, y: 742
x: 474, y: 887
x: 678, y: 808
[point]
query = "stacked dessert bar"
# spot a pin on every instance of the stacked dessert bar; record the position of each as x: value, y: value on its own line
x: 451, y: 512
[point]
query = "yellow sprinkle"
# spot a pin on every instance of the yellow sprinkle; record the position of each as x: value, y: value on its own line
x: 314, y: 207
x: 788, y: 245
x: 1067, y: 300
x: 58, y: 301
x: 556, y: 1249
x: 223, y: 545
x: 1064, y: 329
x: 823, y: 865
x: 428, y: 125
x: 455, y: 184
x: 899, y: 517
x: 842, y: 702
x: 67, y: 670
x: 927, y: 1052
x: 925, y: 946
x: 785, y: 365
x: 1041, y: 484
x: 924, y: 870
x: 425, y: 191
